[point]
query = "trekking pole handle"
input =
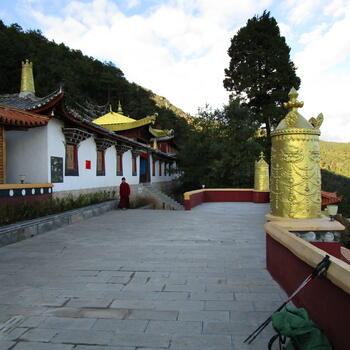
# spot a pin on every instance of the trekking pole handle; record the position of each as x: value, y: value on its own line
x: 322, y: 267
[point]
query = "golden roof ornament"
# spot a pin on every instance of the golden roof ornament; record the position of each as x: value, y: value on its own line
x: 120, y: 111
x: 27, y: 79
x: 295, y: 164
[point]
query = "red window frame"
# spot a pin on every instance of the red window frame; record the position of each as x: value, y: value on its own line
x: 119, y: 164
x: 100, y: 164
x: 134, y: 165
x: 71, y: 168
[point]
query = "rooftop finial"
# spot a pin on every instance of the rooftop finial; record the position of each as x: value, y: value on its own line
x: 27, y: 79
x: 120, y: 111
x: 293, y: 103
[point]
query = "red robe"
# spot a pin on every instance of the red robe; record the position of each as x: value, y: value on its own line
x: 124, y: 193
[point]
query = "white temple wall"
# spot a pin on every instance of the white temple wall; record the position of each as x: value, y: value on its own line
x: 27, y: 155
x: 87, y: 178
x: 164, y: 177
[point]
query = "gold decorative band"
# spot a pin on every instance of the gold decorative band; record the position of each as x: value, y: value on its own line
x: 296, y: 131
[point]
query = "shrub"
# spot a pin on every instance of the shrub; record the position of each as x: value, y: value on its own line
x: 15, y: 212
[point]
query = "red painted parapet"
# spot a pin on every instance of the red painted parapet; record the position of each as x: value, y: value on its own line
x: 290, y: 260
x: 194, y: 198
x: 261, y: 197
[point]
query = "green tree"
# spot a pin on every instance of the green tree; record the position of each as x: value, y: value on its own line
x: 261, y: 73
x: 220, y: 150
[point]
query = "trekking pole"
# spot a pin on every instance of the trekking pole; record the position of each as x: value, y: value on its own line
x: 319, y: 270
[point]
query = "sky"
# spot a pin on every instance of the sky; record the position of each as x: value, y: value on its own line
x: 178, y: 48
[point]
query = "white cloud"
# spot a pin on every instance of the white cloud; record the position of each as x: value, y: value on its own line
x: 314, y: 35
x: 335, y: 8
x: 177, y: 50
x: 302, y: 10
x: 323, y: 66
x: 325, y: 48
x: 132, y: 3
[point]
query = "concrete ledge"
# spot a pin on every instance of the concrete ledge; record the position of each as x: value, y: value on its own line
x: 17, y: 232
x: 290, y: 260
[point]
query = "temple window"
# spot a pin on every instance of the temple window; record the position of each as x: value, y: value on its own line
x: 153, y: 167
x: 160, y: 168
x: 73, y: 138
x: 71, y: 160
x: 134, y: 166
x: 119, y: 164
x: 100, y: 163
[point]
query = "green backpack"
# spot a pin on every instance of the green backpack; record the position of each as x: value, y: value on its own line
x: 302, y: 332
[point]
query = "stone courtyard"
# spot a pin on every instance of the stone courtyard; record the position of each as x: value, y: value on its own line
x: 141, y: 279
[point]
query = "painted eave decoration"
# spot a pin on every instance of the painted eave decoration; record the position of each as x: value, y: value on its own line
x: 158, y: 133
x: 17, y: 117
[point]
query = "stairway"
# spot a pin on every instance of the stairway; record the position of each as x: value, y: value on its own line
x: 164, y: 201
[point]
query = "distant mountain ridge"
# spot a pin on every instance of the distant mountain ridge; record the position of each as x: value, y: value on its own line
x: 162, y: 102
x: 335, y: 157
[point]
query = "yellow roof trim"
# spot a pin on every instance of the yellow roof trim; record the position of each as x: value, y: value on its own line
x: 113, y: 118
x: 160, y: 132
x: 130, y: 125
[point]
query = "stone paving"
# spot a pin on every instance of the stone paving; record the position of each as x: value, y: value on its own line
x: 141, y: 279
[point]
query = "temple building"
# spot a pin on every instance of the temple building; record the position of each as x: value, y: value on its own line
x: 47, y: 144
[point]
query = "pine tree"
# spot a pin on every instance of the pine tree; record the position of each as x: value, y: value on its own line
x: 261, y: 73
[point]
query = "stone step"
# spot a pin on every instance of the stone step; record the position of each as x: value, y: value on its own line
x: 163, y: 197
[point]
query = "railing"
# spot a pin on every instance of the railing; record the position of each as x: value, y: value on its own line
x: 289, y: 260
x: 196, y: 197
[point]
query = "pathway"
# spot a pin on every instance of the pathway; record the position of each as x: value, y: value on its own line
x: 140, y: 279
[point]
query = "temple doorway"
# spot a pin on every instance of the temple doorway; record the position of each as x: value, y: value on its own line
x: 144, y: 168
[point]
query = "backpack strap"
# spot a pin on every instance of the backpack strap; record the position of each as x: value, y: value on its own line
x: 281, y: 341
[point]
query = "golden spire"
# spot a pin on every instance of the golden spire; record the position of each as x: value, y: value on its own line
x: 120, y: 111
x: 27, y: 80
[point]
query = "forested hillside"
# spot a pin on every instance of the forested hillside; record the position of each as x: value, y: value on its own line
x: 335, y: 157
x: 84, y: 78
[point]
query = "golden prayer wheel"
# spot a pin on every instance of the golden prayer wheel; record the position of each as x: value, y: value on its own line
x: 261, y: 176
x: 295, y: 165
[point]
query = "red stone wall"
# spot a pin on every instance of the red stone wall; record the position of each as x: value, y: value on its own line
x: 328, y: 305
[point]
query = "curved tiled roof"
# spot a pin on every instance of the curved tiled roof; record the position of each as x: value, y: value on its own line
x: 17, y: 117
x: 29, y: 102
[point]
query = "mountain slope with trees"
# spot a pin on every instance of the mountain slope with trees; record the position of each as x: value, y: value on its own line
x: 335, y: 157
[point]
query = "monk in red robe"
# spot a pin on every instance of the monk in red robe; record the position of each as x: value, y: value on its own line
x: 124, y: 193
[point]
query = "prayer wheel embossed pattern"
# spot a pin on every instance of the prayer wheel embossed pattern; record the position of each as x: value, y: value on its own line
x: 295, y: 165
